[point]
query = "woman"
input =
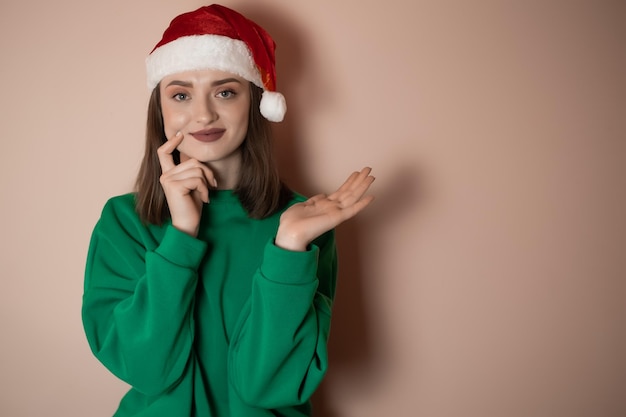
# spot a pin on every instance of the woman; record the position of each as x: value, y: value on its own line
x: 209, y: 290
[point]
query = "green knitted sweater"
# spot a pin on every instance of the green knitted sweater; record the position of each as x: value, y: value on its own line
x: 226, y: 324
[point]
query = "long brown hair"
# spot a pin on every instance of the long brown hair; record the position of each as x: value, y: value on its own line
x: 260, y: 190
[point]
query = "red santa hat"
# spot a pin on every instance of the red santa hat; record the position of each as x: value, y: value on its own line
x: 216, y: 37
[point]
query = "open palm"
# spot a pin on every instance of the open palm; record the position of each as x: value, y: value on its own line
x: 301, y: 223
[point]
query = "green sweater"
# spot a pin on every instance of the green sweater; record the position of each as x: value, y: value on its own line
x: 226, y: 324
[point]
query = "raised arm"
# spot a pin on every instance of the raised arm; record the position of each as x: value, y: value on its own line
x: 138, y: 298
x: 278, y: 355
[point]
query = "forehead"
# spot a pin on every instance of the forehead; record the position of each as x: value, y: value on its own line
x: 203, y: 77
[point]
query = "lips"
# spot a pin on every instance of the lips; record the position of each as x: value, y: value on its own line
x: 208, y: 135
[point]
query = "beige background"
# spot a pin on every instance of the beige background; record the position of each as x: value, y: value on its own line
x: 487, y: 280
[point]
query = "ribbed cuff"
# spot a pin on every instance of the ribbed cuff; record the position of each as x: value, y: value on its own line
x: 181, y: 249
x: 290, y: 267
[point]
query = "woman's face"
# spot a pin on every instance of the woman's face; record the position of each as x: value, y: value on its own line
x: 211, y: 109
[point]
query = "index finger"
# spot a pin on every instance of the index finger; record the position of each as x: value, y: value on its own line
x: 165, y: 152
x: 358, y: 179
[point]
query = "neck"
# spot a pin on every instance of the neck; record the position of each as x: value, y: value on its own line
x: 226, y: 172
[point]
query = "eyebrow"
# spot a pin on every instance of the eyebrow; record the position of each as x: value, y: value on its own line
x: 213, y: 84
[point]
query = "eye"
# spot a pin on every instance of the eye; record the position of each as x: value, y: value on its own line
x: 180, y: 97
x: 226, y: 94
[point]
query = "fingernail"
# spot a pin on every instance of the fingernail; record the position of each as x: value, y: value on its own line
x: 178, y: 133
x: 214, y: 183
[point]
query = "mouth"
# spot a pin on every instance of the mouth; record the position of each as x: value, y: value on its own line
x: 208, y: 135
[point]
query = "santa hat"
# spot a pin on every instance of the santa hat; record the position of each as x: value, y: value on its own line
x: 216, y: 37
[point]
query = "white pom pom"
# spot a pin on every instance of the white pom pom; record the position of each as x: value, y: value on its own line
x: 273, y: 106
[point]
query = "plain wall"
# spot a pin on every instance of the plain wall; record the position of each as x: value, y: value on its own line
x: 488, y: 279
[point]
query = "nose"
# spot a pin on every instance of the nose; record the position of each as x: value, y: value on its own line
x: 205, y: 111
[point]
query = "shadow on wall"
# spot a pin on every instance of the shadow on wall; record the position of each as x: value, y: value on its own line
x: 350, y: 345
x: 355, y: 347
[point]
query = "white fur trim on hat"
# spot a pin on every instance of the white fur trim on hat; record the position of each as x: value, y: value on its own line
x: 202, y: 52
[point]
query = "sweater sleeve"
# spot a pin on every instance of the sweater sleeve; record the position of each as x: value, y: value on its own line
x: 278, y: 353
x: 138, y: 298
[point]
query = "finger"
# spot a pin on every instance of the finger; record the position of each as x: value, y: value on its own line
x: 186, y: 182
x: 200, y: 196
x: 165, y: 152
x: 357, y: 182
x: 363, y: 176
x: 360, y: 205
x: 351, y: 197
x: 201, y: 193
x: 347, y: 183
x: 354, y: 179
x: 354, y: 198
x: 192, y: 167
x: 360, y: 187
x: 199, y: 189
x: 188, y: 186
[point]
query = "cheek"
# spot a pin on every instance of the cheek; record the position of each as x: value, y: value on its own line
x: 174, y: 120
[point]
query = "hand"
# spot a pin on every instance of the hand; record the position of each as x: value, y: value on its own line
x: 186, y: 186
x: 301, y: 223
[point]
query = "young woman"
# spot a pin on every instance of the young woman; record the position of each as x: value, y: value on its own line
x: 209, y: 290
